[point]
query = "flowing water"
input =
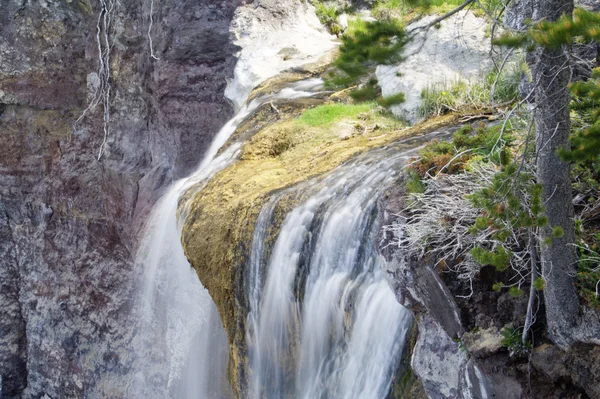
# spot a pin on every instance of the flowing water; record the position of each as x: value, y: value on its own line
x: 323, y: 322
x: 181, y: 348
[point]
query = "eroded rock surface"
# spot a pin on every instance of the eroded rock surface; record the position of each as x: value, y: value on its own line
x: 68, y: 222
x: 274, y: 36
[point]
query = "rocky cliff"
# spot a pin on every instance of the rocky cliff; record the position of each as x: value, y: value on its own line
x: 68, y: 221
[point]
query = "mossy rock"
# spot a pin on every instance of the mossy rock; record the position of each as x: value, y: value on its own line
x: 217, y: 234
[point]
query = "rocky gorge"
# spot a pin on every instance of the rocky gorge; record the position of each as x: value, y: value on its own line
x: 139, y: 136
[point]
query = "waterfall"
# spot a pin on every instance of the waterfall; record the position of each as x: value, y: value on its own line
x: 180, y: 347
x: 322, y: 320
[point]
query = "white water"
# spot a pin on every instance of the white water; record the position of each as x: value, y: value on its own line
x: 344, y: 339
x: 180, y: 347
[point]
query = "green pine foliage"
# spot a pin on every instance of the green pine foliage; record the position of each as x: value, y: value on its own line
x: 375, y: 43
x: 582, y: 26
x: 511, y: 203
x: 469, y: 144
x: 539, y: 283
x: 585, y: 141
x: 367, y: 92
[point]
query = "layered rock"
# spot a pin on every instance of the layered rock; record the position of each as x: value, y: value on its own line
x: 282, y: 152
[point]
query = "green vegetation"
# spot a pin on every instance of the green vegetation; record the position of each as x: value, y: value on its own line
x: 414, y: 183
x: 583, y: 25
x: 440, y: 99
x: 328, y: 17
x: 367, y: 92
x: 363, y: 48
x: 585, y: 141
x: 329, y: 113
x: 481, y: 144
x: 511, y: 340
x: 588, y: 273
x: 511, y: 203
x: 585, y: 176
x: 408, y: 10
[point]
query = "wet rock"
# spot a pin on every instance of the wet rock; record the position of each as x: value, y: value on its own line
x: 438, y: 360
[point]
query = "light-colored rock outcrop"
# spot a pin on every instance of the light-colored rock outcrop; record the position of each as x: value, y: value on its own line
x: 456, y: 50
x: 274, y: 36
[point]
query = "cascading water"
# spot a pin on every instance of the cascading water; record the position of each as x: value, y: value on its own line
x: 181, y: 349
x: 322, y: 321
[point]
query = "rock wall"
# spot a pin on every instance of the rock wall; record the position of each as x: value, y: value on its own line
x: 68, y: 222
x: 460, y: 351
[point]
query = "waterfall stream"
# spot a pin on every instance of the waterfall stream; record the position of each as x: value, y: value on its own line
x: 181, y: 349
x: 323, y: 321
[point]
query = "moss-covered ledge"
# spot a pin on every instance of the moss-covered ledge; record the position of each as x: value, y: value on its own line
x: 218, y: 231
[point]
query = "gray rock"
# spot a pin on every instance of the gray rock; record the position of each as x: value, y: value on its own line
x: 482, y: 343
x: 68, y: 223
x: 550, y: 360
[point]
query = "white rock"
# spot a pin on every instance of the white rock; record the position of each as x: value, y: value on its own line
x: 262, y: 31
x: 457, y: 50
x: 343, y: 21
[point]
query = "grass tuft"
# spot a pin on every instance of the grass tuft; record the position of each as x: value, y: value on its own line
x: 329, y: 113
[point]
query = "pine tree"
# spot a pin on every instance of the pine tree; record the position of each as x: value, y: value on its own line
x: 549, y: 40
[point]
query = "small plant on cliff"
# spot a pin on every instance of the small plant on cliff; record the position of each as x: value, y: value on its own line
x: 328, y: 17
x: 511, y: 340
x: 468, y: 144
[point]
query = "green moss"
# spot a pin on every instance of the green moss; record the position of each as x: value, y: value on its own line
x: 327, y: 114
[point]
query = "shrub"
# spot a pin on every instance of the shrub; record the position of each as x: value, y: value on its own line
x: 328, y: 17
x: 511, y: 340
x: 483, y: 143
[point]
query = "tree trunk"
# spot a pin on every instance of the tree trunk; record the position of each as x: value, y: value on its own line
x: 551, y: 76
x: 531, y: 302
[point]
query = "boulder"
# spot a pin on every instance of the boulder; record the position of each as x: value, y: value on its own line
x: 482, y: 343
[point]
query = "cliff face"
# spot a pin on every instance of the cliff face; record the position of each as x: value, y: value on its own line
x: 68, y: 222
